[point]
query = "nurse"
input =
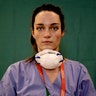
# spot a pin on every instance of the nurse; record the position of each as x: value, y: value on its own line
x: 47, y: 72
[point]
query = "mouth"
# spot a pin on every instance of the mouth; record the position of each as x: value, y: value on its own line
x: 47, y: 42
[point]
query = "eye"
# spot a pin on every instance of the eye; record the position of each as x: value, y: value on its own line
x: 40, y: 28
x: 54, y: 28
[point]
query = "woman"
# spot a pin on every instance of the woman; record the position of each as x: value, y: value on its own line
x: 47, y: 72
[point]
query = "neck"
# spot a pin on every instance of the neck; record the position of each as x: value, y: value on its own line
x: 52, y: 74
x: 55, y: 49
x: 52, y: 70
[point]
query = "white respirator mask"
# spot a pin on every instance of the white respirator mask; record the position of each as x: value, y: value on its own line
x: 49, y: 59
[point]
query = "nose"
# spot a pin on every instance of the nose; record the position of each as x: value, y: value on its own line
x: 47, y: 33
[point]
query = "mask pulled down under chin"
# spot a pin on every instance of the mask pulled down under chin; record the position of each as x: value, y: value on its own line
x: 49, y: 59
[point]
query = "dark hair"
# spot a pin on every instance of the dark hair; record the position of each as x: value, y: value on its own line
x: 46, y: 7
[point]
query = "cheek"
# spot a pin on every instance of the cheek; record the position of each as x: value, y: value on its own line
x: 38, y: 39
x: 58, y: 37
x: 36, y: 36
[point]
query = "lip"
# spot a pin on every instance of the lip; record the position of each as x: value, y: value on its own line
x: 47, y: 42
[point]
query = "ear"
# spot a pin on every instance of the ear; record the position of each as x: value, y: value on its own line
x: 32, y: 33
x: 62, y: 34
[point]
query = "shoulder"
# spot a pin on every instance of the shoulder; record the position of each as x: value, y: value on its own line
x: 78, y: 79
x: 75, y: 70
x: 20, y: 66
x: 75, y: 65
x: 19, y: 69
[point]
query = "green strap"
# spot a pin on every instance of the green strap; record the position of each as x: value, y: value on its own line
x: 47, y: 92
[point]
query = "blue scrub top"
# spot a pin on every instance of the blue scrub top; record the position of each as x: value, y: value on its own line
x: 23, y: 79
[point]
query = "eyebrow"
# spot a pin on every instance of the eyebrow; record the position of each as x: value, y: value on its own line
x: 50, y: 24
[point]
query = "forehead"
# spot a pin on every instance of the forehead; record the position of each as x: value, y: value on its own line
x: 47, y: 17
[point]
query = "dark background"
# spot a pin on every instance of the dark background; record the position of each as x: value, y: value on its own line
x: 79, y: 42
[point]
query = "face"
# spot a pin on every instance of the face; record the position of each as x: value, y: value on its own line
x: 47, y: 30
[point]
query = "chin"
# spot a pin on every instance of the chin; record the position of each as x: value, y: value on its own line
x: 48, y: 48
x: 55, y: 49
